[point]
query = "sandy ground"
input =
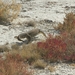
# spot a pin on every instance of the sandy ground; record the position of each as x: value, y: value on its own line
x: 46, y: 14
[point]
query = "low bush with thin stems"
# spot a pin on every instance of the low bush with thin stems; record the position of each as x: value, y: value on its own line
x: 58, y: 48
x: 28, y: 53
x: 68, y: 23
x: 13, y: 66
x: 41, y: 64
x: 52, y: 49
x: 8, y: 11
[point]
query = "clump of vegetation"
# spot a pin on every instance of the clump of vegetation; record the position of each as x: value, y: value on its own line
x: 8, y: 11
x: 62, y: 46
x: 13, y: 66
x: 55, y: 49
x: 15, y: 47
x: 40, y: 64
x: 51, y: 68
x: 52, y: 49
x: 4, y: 48
x: 68, y: 23
x: 68, y: 36
x: 28, y: 53
x: 69, y: 39
x: 58, y: 48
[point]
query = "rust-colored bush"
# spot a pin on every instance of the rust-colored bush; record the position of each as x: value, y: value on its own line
x: 58, y: 48
x: 13, y: 66
x: 53, y: 49
x: 69, y: 39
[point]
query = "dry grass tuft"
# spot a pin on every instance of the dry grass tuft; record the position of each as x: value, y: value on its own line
x: 40, y: 64
x: 4, y: 48
x: 15, y: 47
x: 72, y: 64
x: 68, y: 23
x: 12, y: 65
x: 51, y: 68
x: 8, y: 11
x: 29, y: 53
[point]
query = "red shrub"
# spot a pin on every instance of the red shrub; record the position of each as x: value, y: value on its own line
x: 12, y: 66
x: 58, y: 48
x: 53, y: 49
x: 69, y: 39
x: 70, y: 57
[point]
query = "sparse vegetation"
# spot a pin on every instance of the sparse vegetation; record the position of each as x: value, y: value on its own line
x: 60, y: 47
x: 39, y: 64
x: 13, y: 66
x: 68, y: 23
x: 52, y: 49
x: 8, y: 11
x: 51, y: 68
x: 28, y: 53
x: 15, y: 47
x: 4, y: 48
x: 55, y: 49
x: 72, y: 64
